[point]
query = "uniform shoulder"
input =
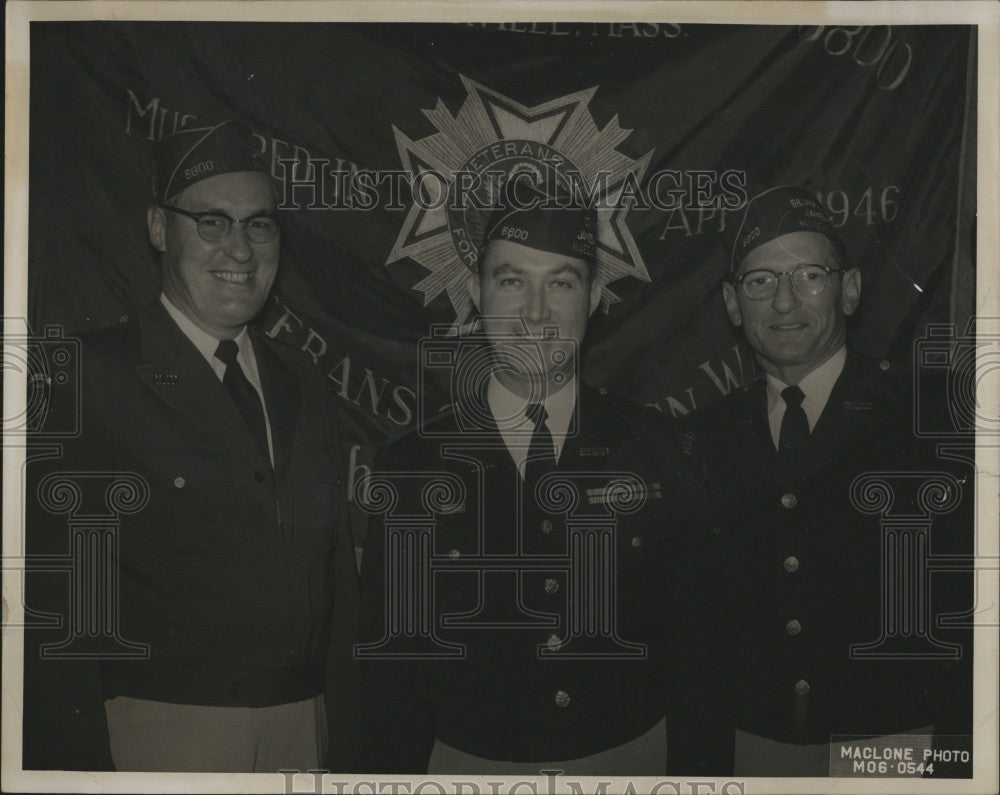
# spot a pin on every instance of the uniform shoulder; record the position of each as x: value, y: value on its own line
x: 121, y: 342
x: 736, y: 405
x: 612, y: 403
x: 412, y: 444
x: 878, y: 380
x: 295, y: 358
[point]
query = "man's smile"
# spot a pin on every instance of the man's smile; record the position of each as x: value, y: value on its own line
x: 788, y: 326
x: 233, y: 277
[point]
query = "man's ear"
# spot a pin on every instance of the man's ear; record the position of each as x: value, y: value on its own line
x: 472, y: 285
x: 595, y: 295
x: 850, y: 291
x: 156, y: 223
x: 732, y: 305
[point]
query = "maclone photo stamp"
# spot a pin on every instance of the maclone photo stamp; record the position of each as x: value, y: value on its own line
x: 500, y: 397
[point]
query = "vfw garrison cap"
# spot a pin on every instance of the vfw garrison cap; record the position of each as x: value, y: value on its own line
x: 196, y: 153
x: 775, y: 212
x: 546, y: 222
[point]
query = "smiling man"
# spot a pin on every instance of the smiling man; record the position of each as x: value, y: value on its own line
x: 225, y: 574
x: 557, y: 608
x: 802, y: 572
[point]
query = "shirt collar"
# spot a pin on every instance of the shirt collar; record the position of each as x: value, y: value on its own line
x: 816, y: 386
x: 509, y: 411
x: 204, y: 342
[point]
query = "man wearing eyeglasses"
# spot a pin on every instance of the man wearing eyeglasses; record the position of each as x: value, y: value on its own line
x: 226, y: 572
x: 799, y: 566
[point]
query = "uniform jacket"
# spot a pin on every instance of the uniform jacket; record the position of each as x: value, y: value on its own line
x: 226, y: 571
x: 515, y: 692
x: 800, y: 571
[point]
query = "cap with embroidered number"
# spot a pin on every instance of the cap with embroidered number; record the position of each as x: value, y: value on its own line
x: 196, y: 153
x: 775, y: 212
x: 547, y: 222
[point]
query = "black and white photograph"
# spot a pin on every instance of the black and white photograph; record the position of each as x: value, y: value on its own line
x: 497, y: 398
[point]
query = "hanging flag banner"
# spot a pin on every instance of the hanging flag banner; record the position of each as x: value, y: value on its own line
x: 391, y: 146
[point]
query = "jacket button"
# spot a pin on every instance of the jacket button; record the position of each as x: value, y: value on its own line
x: 793, y: 627
x: 258, y: 476
x: 554, y: 642
x: 789, y: 500
x: 562, y: 698
x: 547, y: 526
x: 551, y: 585
x: 884, y: 365
x: 791, y: 563
x: 179, y: 482
x: 802, y: 687
x: 454, y: 554
x: 716, y: 531
x: 636, y: 542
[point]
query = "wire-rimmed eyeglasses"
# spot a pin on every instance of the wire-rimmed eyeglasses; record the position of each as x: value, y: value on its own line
x: 214, y: 227
x: 806, y: 280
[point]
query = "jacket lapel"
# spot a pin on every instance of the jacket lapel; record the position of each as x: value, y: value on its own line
x: 849, y: 409
x: 177, y: 374
x: 596, y: 433
x: 846, y: 414
x: 282, y: 397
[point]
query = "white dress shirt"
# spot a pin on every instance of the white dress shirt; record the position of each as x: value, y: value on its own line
x: 816, y: 386
x: 508, y: 411
x: 207, y: 345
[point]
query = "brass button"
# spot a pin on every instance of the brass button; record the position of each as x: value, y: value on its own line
x: 791, y: 563
x: 793, y: 627
x: 636, y: 541
x: 551, y: 585
x: 789, y: 500
x: 454, y: 554
x: 562, y: 698
x: 179, y: 482
x: 554, y: 642
x: 546, y: 525
x: 802, y: 687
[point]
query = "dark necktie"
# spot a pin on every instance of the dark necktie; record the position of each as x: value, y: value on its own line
x: 794, y: 436
x: 541, y: 452
x: 243, y: 393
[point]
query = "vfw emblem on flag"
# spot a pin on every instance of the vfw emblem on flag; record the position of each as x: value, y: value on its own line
x: 459, y: 171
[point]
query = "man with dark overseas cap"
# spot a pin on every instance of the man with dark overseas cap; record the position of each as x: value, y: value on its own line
x: 225, y: 574
x: 538, y: 643
x: 797, y: 563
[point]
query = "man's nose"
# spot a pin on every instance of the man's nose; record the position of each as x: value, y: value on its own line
x: 237, y: 245
x: 785, y: 298
x: 535, y: 306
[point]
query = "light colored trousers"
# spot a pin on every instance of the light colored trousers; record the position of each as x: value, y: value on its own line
x: 157, y: 736
x: 644, y: 756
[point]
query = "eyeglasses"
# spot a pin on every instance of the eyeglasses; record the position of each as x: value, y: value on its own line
x: 214, y: 227
x: 806, y: 280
